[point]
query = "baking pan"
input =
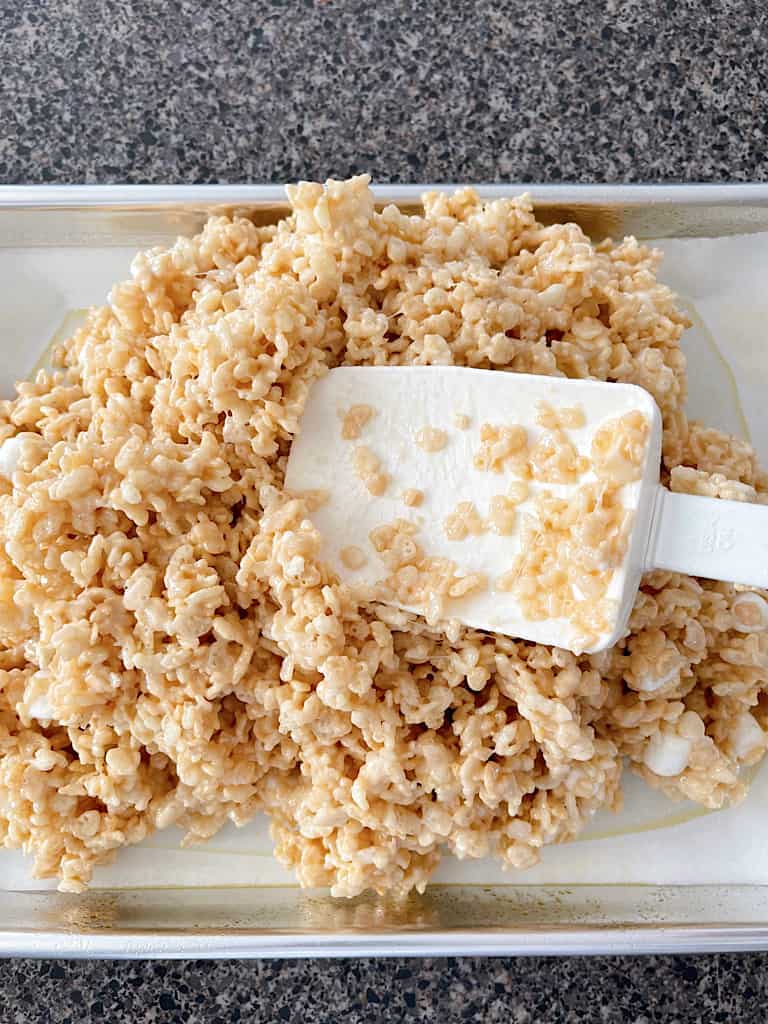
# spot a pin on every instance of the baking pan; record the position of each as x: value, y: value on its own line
x: 282, y: 920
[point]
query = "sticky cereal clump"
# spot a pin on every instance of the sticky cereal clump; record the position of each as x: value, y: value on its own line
x: 354, y: 420
x: 431, y: 439
x: 367, y: 467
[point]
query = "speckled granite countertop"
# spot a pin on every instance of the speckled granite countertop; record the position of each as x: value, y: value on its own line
x: 607, y: 990
x: 236, y: 91
x: 476, y: 90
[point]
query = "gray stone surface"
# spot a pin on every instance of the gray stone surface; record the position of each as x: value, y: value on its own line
x: 610, y: 990
x: 259, y: 90
x: 236, y: 90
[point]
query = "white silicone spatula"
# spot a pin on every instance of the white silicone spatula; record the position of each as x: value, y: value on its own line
x: 405, y: 445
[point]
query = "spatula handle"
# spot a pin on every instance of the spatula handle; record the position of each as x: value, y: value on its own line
x: 709, y: 537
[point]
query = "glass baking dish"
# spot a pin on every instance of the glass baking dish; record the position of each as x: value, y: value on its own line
x: 43, y: 226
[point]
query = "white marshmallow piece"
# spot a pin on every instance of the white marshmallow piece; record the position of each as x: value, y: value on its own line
x: 12, y: 449
x: 36, y: 699
x: 650, y: 681
x: 667, y: 754
x: 10, y: 453
x: 746, y: 737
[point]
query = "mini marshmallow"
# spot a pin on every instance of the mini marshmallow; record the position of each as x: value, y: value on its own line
x: 746, y: 737
x: 10, y: 453
x: 652, y: 679
x: 667, y: 754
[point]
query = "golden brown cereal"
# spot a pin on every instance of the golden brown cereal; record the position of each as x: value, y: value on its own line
x: 471, y: 583
x: 618, y: 448
x: 570, y: 548
x: 412, y: 497
x: 367, y: 469
x: 431, y: 439
x: 461, y: 421
x: 172, y: 650
x: 354, y: 419
x: 560, y: 419
x: 687, y: 480
x: 394, y: 542
x: 465, y: 521
x: 555, y: 460
x: 502, y: 514
x: 314, y: 499
x: 416, y: 579
x: 517, y: 492
x: 503, y: 448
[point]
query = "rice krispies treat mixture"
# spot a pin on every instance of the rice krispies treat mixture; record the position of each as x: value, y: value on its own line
x: 172, y: 652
